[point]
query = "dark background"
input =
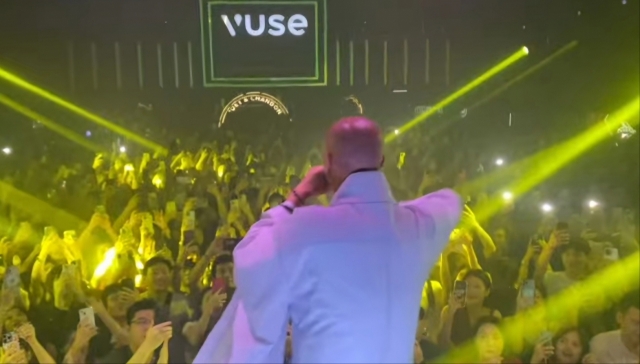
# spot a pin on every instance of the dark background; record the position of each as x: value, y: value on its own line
x: 561, y: 99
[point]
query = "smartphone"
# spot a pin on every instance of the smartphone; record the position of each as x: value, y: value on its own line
x: 218, y: 285
x: 11, y: 342
x: 49, y: 230
x: 12, y: 279
x: 230, y: 244
x: 69, y: 269
x: 460, y: 291
x: 171, y: 208
x: 546, y: 338
x: 611, y: 254
x: 528, y: 292
x: 128, y: 283
x: 183, y: 180
x: 87, y: 314
x: 70, y: 236
x: 152, y: 201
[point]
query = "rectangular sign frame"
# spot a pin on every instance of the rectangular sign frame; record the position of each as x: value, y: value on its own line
x: 208, y: 48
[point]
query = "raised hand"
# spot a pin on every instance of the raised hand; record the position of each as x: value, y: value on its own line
x: 158, y: 334
x: 542, y: 352
x: 27, y: 332
x: 85, y: 331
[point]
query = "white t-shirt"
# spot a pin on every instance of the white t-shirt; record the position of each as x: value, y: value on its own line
x: 608, y: 348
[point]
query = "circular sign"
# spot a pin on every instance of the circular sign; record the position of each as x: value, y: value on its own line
x: 253, y: 98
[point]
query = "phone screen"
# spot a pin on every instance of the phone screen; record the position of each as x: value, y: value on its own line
x: 87, y: 314
x: 529, y: 289
x: 11, y: 341
x: 611, y: 254
x: 460, y: 291
x: 218, y: 285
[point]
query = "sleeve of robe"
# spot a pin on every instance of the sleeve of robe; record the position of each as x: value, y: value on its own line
x: 254, y: 325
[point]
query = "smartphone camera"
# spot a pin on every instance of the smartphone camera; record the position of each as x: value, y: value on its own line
x: 460, y: 292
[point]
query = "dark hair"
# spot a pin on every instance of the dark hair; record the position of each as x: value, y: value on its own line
x: 220, y: 259
x: 157, y: 260
x: 486, y: 320
x: 584, y: 341
x: 143, y: 305
x: 577, y: 245
x: 110, y: 290
x: 478, y: 273
x: 630, y: 300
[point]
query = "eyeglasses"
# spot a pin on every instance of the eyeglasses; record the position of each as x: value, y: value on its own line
x: 142, y: 322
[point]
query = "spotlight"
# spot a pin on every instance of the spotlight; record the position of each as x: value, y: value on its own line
x: 88, y: 133
x: 593, y: 204
x: 507, y: 196
x: 546, y: 207
x: 123, y: 149
x: 396, y: 132
x: 525, y: 50
x: 499, y: 162
x: 7, y: 150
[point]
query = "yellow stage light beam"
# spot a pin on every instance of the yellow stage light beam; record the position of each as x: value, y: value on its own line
x: 443, y: 125
x: 522, y: 52
x: 548, y: 162
x: 74, y: 137
x: 82, y: 112
x: 526, y: 73
x: 625, y: 273
x: 23, y: 201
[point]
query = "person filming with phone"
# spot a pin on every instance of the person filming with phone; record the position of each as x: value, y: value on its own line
x: 330, y: 271
x: 466, y: 307
x: 574, y: 253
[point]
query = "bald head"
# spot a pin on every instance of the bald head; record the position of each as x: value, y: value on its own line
x: 353, y: 143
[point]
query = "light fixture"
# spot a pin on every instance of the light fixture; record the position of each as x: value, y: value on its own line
x: 123, y: 149
x: 507, y: 196
x: 499, y: 162
x: 7, y: 150
x: 593, y: 204
x: 546, y: 207
x: 396, y: 132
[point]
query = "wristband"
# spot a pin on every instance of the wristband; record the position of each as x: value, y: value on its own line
x: 300, y: 200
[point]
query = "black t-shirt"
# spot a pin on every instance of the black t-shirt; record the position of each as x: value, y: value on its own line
x: 118, y: 356
x: 54, y: 326
x: 100, y: 345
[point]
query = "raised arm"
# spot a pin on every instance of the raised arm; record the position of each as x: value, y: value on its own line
x: 439, y: 211
x: 253, y: 327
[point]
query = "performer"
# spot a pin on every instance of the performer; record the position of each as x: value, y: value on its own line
x: 348, y: 277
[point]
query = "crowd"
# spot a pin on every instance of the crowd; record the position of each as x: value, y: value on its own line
x: 128, y: 258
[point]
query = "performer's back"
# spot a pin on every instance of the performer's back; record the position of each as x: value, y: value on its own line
x: 355, y: 270
x: 348, y: 277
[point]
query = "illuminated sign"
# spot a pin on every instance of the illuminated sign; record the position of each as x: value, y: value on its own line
x: 263, y: 43
x: 296, y: 24
x: 253, y: 98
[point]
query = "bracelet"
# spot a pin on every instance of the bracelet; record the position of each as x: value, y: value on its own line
x: 300, y: 200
